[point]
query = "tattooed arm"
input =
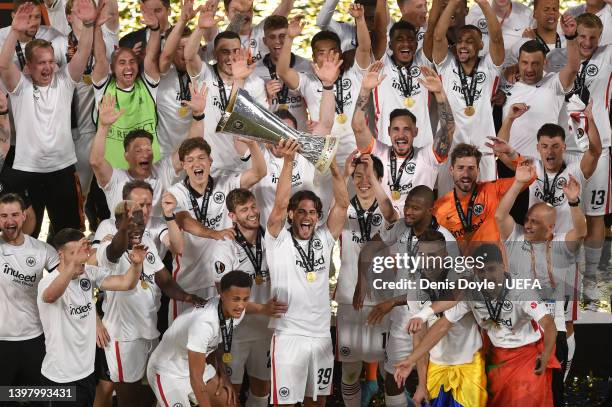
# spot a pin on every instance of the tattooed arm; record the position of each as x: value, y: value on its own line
x: 444, y: 136
x: 372, y: 79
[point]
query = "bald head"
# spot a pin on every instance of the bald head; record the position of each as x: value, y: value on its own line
x: 543, y: 211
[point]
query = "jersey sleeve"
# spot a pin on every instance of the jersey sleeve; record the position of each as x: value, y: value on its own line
x: 502, y: 185
x: 51, y: 258
x: 555, y: 84
x: 304, y: 83
x: 111, y: 185
x: 200, y: 334
x: 457, y: 312
x: 151, y: 84
x: 535, y: 309
x: 97, y: 274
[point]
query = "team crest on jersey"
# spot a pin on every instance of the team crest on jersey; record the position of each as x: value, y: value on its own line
x: 478, y: 209
x: 253, y: 43
x: 592, y: 70
x: 219, y: 197
x: 219, y: 267
x: 345, y: 351
x: 150, y: 257
x: 346, y: 83
x: 85, y: 284
x: 507, y: 306
x: 410, y: 167
x: 177, y: 405
x: 420, y: 36
x: 316, y: 244
x: 283, y: 392
x: 561, y: 182
x: 31, y: 261
x: 415, y: 71
x: 376, y: 219
x: 481, y: 77
x: 482, y: 24
x: 579, y: 132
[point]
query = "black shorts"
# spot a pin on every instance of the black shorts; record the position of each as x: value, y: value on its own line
x: 101, y: 366
x: 85, y: 391
x: 21, y: 361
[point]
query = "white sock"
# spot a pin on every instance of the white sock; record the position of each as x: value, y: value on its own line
x: 591, y: 260
x: 571, y: 348
x: 351, y: 386
x: 396, y: 401
x: 256, y: 401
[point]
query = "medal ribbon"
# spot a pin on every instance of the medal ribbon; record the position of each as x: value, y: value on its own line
x: 226, y: 332
x: 549, y: 268
x: 74, y: 42
x: 549, y: 188
x: 183, y: 80
x: 405, y: 81
x: 282, y: 95
x: 396, y: 175
x: 495, y: 312
x: 579, y: 87
x: 466, y: 220
x: 541, y: 41
x: 469, y: 92
x: 255, y: 258
x: 20, y: 55
x: 200, y: 212
x: 339, y: 95
x: 365, y: 222
x: 307, y: 260
x: 221, y: 86
x: 412, y: 250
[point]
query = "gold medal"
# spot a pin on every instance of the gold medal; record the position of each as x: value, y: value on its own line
x: 283, y: 106
x: 311, y: 276
x: 227, y: 357
x: 395, y: 195
x: 183, y: 111
x: 144, y: 285
x: 259, y: 279
x: 87, y: 79
x: 409, y: 102
x: 341, y: 118
x: 469, y: 111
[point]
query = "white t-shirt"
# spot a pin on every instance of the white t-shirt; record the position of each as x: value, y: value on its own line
x: 197, y: 331
x: 389, y: 95
x: 563, y: 221
x: 516, y: 316
x: 224, y: 154
x: 562, y: 259
x: 190, y: 268
x: 162, y: 177
x: 422, y: 169
x: 605, y: 15
x: 229, y: 255
x: 554, y: 57
x: 172, y: 127
x: 297, y: 104
x: 302, y: 178
x: 545, y: 100
x: 309, y: 310
x: 351, y: 244
x: 21, y: 273
x: 42, y: 123
x: 512, y: 26
x: 70, y: 326
x: 131, y: 315
x: 476, y: 128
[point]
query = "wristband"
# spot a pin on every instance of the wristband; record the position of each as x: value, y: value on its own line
x: 89, y: 24
x: 198, y: 117
x: 574, y: 204
x: 425, y: 313
x: 170, y: 218
x: 330, y: 87
x: 155, y: 29
x: 571, y: 37
x: 4, y: 112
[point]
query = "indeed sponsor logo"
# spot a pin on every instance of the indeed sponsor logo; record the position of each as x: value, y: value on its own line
x: 19, y: 276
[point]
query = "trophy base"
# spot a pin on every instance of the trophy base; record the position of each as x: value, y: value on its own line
x: 328, y: 154
x: 320, y: 151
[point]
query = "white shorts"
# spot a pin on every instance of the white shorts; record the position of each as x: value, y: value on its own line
x: 255, y: 355
x: 127, y: 360
x: 174, y: 391
x: 176, y: 308
x: 301, y: 367
x: 487, y: 172
x: 358, y: 341
x: 596, y: 192
x: 399, y: 346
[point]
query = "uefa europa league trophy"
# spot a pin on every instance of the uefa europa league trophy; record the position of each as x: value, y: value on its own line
x: 246, y: 118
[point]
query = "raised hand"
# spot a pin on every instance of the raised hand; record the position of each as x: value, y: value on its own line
x: 138, y: 254
x: 373, y: 77
x: 240, y: 65
x: 149, y: 18
x: 431, y: 81
x: 329, y: 70
x: 287, y: 148
x: 21, y: 21
x: 85, y: 10
x: 568, y: 25
x: 107, y: 110
x: 198, y: 98
x: 572, y: 189
x: 525, y: 171
x: 104, y: 14
x: 207, y: 18
x: 499, y: 146
x: 529, y: 33
x: 187, y: 11
x: 272, y: 88
x: 517, y: 110
x: 168, y: 204
x: 295, y: 26
x: 351, y: 163
x: 356, y: 11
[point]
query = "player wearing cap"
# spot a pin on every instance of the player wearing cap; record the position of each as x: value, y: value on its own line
x: 299, y: 261
x: 406, y: 165
x: 67, y: 312
x: 24, y: 258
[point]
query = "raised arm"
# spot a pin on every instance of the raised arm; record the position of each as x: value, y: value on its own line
x: 5, y: 129
x: 9, y: 73
x: 112, y: 11
x: 337, y: 213
x: 101, y: 66
x: 524, y: 174
x: 575, y: 236
x: 364, y: 43
x: 173, y: 40
x: 568, y: 73
x: 446, y: 127
x: 276, y: 221
x: 327, y: 74
x: 108, y: 114
x: 381, y: 22
x: 283, y: 70
x: 326, y: 14
x: 258, y: 168
x: 428, y: 38
x: 589, y: 160
x: 120, y: 241
x: 151, y: 61
x: 283, y: 8
x: 174, y: 240
x: 514, y: 112
x: 440, y: 42
x: 127, y: 281
x: 496, y: 39
x: 384, y: 203
x: 197, y: 105
x: 363, y: 135
x: 206, y: 21
x: 86, y: 12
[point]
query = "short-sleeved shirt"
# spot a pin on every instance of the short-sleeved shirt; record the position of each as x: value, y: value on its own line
x: 309, y: 312
x: 42, y: 124
x: 69, y: 324
x: 476, y: 128
x: 131, y: 315
x: 545, y: 100
x: 391, y: 95
x: 196, y: 331
x: 21, y: 273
